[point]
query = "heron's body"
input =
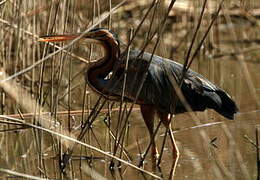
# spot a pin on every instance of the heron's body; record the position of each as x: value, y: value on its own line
x: 157, y: 81
x: 157, y: 89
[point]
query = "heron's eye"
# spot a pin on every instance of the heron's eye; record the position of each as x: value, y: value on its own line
x: 109, y: 75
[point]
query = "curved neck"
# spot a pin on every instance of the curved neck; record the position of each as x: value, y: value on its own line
x: 100, y: 69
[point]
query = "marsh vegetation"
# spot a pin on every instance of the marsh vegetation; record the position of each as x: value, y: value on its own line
x: 54, y: 126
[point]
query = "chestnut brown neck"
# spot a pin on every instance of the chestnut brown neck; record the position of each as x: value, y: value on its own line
x: 97, y: 71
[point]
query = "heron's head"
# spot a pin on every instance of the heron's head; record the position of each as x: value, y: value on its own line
x: 97, y: 35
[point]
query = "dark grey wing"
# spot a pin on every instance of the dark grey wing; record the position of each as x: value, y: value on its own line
x: 202, y: 94
x: 158, y: 86
x: 199, y: 92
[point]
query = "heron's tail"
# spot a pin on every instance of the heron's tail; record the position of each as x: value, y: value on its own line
x: 226, y: 107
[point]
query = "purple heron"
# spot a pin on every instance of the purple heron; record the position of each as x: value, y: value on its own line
x: 157, y: 93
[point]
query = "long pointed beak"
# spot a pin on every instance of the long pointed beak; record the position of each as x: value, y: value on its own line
x: 57, y: 38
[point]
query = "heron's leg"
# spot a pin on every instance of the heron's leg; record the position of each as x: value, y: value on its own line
x: 148, y: 113
x: 165, y: 118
